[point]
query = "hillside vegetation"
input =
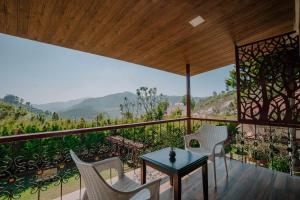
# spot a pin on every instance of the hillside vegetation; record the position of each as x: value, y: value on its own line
x: 9, y: 112
x: 221, y: 106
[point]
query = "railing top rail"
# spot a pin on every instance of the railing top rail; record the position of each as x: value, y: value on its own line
x: 297, y: 126
x: 215, y: 120
x: 50, y: 134
x: 29, y: 136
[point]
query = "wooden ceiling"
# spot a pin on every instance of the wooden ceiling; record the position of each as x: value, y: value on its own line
x: 154, y: 33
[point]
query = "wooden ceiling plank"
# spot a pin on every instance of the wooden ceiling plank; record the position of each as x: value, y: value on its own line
x: 132, y: 21
x: 71, y: 22
x: 55, y: 21
x: 11, y: 16
x: 44, y: 18
x: 116, y: 34
x: 23, y: 17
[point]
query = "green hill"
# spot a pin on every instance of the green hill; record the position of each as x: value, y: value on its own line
x: 20, y: 103
x: 221, y: 105
x: 9, y: 112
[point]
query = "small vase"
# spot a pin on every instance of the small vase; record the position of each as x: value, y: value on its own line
x: 172, y: 155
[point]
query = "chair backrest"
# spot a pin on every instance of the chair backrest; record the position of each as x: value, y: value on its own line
x: 210, y: 135
x: 96, y: 186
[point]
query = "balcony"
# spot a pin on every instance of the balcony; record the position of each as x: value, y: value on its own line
x: 260, y: 37
x: 38, y: 166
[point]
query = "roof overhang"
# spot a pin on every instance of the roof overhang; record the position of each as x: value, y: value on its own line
x: 153, y: 33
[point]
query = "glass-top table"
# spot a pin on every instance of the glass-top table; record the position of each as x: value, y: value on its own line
x: 185, y: 163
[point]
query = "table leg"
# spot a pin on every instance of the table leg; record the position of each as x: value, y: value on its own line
x: 143, y: 172
x: 177, y: 187
x: 205, y: 181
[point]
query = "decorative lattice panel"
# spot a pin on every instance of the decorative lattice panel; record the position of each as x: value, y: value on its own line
x: 268, y: 81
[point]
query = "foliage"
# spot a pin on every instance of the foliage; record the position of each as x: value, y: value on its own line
x: 177, y: 113
x: 54, y: 150
x: 230, y: 82
x: 173, y: 136
x: 280, y: 163
x: 55, y: 116
x: 20, y: 102
x: 193, y: 102
x: 221, y: 106
x: 148, y: 105
x: 259, y: 154
x: 152, y: 104
x: 128, y: 109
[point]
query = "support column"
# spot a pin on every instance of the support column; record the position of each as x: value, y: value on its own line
x: 188, y: 98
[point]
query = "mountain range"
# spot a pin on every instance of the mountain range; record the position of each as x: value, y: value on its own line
x: 88, y: 108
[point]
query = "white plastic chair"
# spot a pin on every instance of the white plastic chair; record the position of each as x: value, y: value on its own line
x: 211, y: 140
x: 125, y: 188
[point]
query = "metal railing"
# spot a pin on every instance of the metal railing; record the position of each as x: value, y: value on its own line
x: 39, y: 165
x: 267, y: 146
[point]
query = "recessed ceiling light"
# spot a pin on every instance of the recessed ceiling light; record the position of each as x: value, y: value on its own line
x: 197, y: 21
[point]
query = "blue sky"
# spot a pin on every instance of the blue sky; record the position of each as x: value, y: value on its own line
x: 42, y: 73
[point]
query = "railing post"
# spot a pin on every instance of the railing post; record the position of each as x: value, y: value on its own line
x: 188, y: 98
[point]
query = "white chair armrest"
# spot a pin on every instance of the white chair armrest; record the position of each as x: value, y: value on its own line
x: 152, y: 186
x: 189, y: 137
x: 110, y: 163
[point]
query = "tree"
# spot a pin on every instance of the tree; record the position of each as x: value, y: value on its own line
x: 100, y: 117
x: 161, y: 109
x: 12, y: 99
x: 127, y: 109
x: 193, y: 102
x: 215, y: 93
x: 82, y: 123
x: 19, y: 112
x: 55, y: 116
x: 176, y: 113
x: 47, y: 113
x: 230, y: 82
x: 151, y: 103
x: 41, y: 118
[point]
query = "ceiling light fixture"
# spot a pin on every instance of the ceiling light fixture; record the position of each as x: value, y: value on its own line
x: 197, y: 21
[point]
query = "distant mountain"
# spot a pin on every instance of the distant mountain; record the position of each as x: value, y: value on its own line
x: 59, y: 106
x: 89, y: 108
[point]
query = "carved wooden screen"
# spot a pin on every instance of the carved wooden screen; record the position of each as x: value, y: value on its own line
x: 268, y: 81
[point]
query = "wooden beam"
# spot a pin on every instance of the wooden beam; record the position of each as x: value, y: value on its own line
x: 188, y: 97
